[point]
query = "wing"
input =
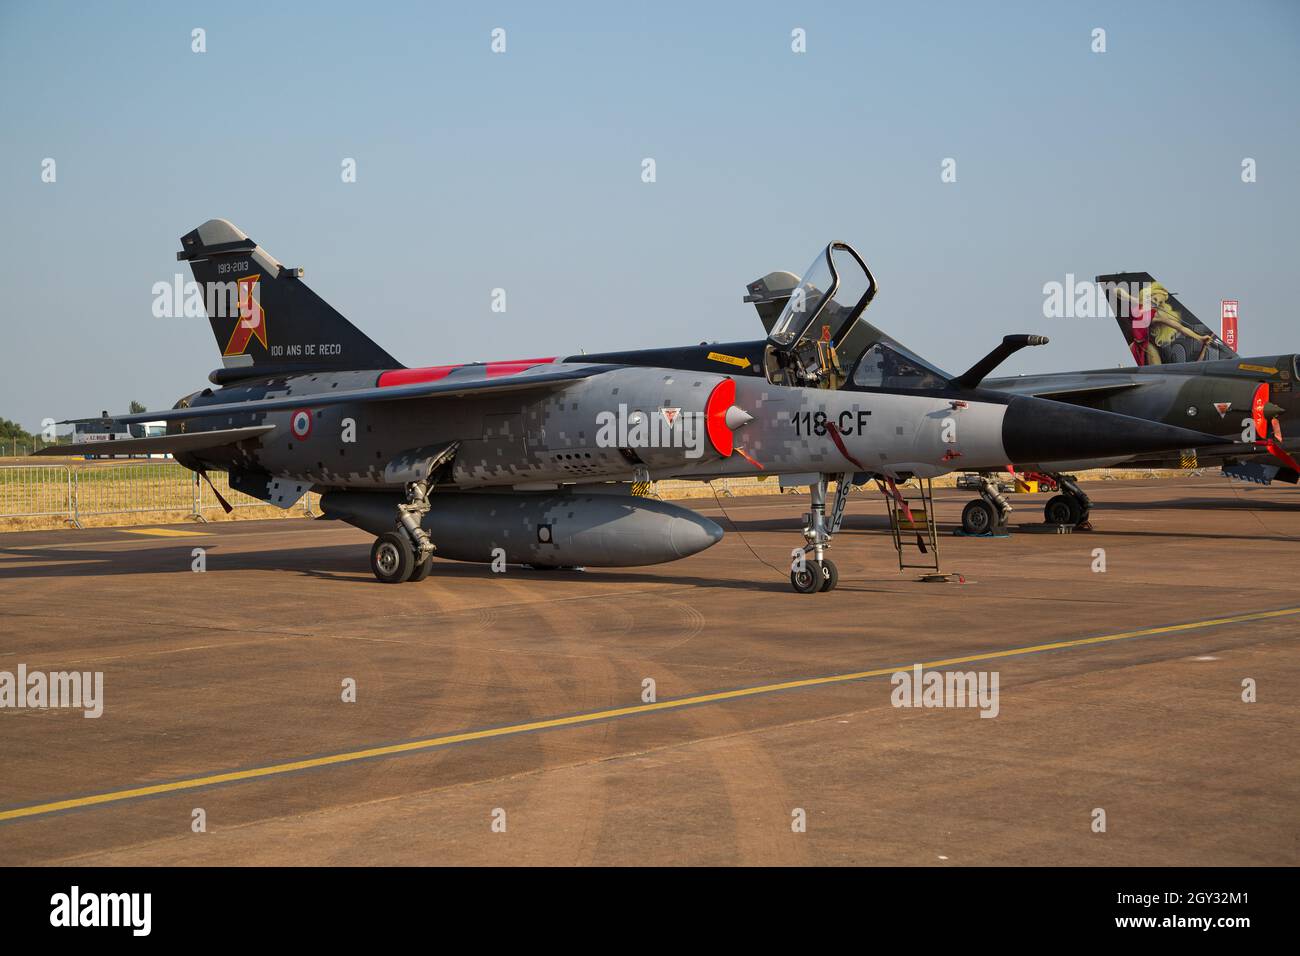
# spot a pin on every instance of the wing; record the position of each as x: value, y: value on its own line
x: 159, y: 444
x: 443, y: 388
x: 1085, y: 393
x: 1073, y: 389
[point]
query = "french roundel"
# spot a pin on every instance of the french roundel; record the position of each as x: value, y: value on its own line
x: 301, y: 423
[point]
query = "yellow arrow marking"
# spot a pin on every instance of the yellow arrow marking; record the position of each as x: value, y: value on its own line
x: 729, y: 359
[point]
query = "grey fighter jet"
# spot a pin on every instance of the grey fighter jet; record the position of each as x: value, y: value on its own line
x: 1184, y: 375
x: 530, y: 461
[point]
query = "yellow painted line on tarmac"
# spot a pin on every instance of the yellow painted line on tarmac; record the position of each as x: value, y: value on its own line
x: 433, y: 743
x: 164, y: 532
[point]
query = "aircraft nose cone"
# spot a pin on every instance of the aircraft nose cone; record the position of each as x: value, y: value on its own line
x: 691, y: 535
x: 1038, y: 430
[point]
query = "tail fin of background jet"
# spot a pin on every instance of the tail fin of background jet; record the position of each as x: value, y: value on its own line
x: 770, y: 294
x: 265, y: 319
x: 1158, y: 328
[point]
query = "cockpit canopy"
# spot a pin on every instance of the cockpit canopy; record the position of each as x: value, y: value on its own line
x: 835, y: 289
x: 820, y: 338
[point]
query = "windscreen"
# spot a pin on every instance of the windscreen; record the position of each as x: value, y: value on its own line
x: 890, y: 365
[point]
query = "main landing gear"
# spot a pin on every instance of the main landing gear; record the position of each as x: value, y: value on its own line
x: 811, y: 571
x: 405, y: 554
x: 1070, y: 507
x: 988, y: 513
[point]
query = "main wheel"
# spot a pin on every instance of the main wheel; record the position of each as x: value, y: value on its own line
x: 1062, y: 509
x: 809, y: 580
x: 977, y: 517
x: 391, y: 558
x: 830, y: 575
x: 422, y: 569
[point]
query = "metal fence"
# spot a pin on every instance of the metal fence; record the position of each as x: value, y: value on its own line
x: 725, y: 487
x: 33, y: 491
x: 74, y: 492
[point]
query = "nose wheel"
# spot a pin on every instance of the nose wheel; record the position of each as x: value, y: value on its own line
x: 815, y: 576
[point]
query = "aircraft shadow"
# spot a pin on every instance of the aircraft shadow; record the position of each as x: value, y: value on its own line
x: 1202, y: 504
x: 791, y: 526
x: 344, y: 563
x: 178, y: 559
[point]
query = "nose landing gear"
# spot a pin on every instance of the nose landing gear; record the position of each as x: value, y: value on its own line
x: 811, y: 571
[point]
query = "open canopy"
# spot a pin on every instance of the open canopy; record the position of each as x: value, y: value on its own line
x: 821, y: 339
x: 835, y: 289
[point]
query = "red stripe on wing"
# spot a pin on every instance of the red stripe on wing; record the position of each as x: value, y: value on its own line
x: 518, y: 365
x: 410, y: 376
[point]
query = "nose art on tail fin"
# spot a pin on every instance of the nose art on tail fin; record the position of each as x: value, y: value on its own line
x: 1158, y: 329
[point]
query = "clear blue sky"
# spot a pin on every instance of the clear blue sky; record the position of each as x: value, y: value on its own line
x: 523, y: 171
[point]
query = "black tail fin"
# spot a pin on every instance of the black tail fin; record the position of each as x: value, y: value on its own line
x: 1158, y: 328
x: 265, y: 319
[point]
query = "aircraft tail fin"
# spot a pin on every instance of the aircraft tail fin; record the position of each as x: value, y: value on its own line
x: 1158, y: 329
x: 769, y: 295
x: 265, y: 318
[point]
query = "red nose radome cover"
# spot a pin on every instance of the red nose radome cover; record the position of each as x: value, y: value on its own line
x: 1257, y: 411
x: 1263, y: 433
x: 721, y: 398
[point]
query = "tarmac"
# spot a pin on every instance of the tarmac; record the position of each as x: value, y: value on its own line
x: 507, y: 719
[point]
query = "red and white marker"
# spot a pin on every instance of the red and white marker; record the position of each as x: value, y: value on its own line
x: 1228, y: 323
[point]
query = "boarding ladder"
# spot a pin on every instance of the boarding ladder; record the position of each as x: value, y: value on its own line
x: 911, y: 521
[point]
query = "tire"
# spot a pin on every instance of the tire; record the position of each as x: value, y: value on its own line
x: 830, y: 575
x: 809, y: 580
x: 422, y: 569
x: 978, y: 517
x: 1062, y: 509
x: 391, y: 558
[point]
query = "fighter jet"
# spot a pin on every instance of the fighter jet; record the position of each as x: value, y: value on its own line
x: 1184, y: 375
x: 530, y: 461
